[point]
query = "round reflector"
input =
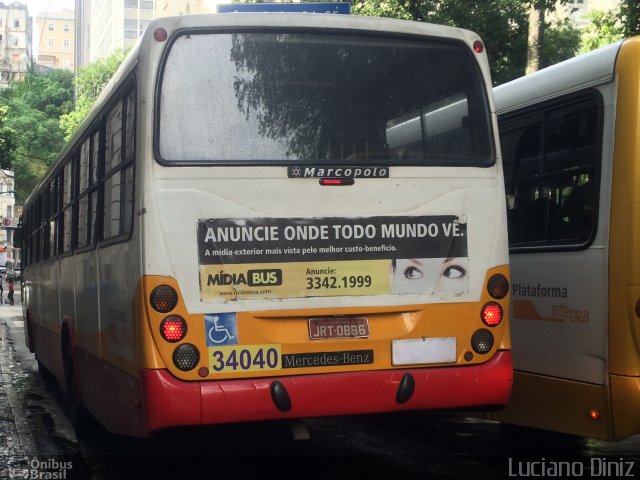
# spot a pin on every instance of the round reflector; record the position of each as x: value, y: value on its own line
x: 186, y: 357
x: 478, y: 47
x: 160, y: 34
x: 163, y: 298
x: 173, y: 328
x: 482, y: 341
x: 498, y: 286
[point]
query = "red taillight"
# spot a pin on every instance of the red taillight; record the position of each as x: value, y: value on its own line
x: 478, y: 47
x: 491, y: 314
x: 336, y: 181
x: 498, y: 286
x: 173, y: 328
x: 163, y: 298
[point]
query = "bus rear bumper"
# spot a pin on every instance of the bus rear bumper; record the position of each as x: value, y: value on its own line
x: 169, y: 402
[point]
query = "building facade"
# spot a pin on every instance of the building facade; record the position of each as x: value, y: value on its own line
x: 8, y: 216
x: 578, y: 10
x: 57, y: 39
x: 167, y: 8
x: 103, y: 26
x: 15, y: 42
x: 119, y: 23
x: 83, y: 14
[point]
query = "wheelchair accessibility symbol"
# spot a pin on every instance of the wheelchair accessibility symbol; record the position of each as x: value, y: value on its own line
x: 221, y: 329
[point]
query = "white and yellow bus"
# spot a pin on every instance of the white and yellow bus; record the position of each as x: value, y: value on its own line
x: 259, y: 220
x: 570, y: 137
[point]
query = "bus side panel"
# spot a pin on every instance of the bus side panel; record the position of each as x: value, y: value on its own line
x: 117, y: 330
x: 87, y: 333
x: 112, y: 396
x: 106, y: 340
x: 48, y: 351
x: 624, y: 272
x: 118, y: 337
x: 48, y: 320
x: 31, y: 311
x: 123, y: 413
x: 557, y: 404
x: 86, y: 292
x: 559, y: 317
x: 624, y: 405
x: 66, y: 285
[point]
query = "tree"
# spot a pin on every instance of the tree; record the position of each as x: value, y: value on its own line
x: 502, y: 25
x: 7, y: 139
x: 46, y: 93
x: 561, y: 42
x: 603, y: 28
x: 535, y: 38
x: 549, y: 42
x: 40, y: 109
x: 630, y: 17
x: 33, y: 106
x: 90, y: 81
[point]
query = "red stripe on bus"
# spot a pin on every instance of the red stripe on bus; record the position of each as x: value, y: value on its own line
x: 169, y: 402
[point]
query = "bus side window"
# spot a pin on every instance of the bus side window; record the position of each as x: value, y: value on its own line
x: 521, y: 152
x: 577, y: 210
x: 550, y: 158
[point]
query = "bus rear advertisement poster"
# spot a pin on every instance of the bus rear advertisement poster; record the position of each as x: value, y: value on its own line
x: 331, y: 257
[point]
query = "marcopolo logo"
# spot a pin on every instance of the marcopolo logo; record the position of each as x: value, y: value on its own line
x: 252, y: 278
x: 338, y: 172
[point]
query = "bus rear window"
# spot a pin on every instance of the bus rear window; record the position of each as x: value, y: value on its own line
x: 286, y: 98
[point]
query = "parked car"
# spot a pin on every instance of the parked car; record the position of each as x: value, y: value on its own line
x: 3, y: 269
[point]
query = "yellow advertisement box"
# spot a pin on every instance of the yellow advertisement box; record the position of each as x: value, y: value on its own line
x: 295, y: 280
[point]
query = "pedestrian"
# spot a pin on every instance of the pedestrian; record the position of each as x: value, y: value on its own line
x: 10, y: 286
x: 1, y: 291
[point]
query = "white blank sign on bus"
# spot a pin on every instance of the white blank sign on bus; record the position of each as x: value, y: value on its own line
x: 423, y: 350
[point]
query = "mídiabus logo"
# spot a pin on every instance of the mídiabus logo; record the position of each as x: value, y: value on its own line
x: 337, y: 172
x: 252, y: 278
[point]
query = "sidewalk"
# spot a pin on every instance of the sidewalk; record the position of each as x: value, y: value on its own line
x: 16, y: 439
